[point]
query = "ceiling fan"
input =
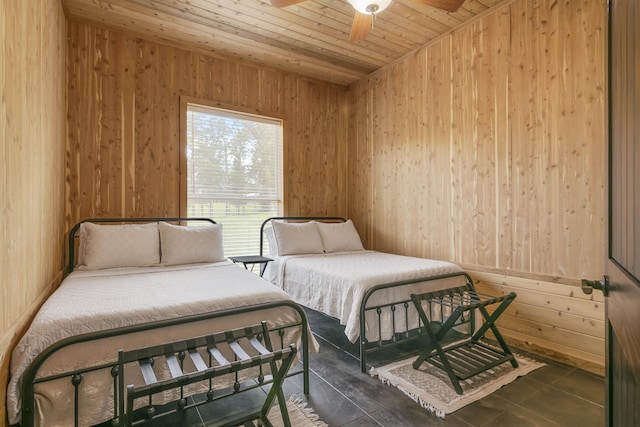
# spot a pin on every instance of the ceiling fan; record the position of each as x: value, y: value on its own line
x: 366, y: 10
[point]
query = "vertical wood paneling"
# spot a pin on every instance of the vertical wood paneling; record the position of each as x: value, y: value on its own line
x: 436, y: 115
x: 559, y: 157
x: 316, y: 160
x: 381, y: 146
x: 480, y: 140
x: 412, y: 153
x: 124, y: 125
x: 360, y: 200
x: 522, y: 125
x: 507, y: 117
x: 32, y: 135
x: 4, y: 289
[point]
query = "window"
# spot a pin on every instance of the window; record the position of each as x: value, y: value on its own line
x: 234, y: 172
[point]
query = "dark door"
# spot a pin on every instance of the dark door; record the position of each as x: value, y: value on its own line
x: 623, y: 264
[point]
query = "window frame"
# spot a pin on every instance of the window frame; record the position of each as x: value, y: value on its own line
x: 185, y: 102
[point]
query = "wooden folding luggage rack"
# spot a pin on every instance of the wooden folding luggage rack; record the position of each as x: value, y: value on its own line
x: 469, y: 357
x: 174, y: 355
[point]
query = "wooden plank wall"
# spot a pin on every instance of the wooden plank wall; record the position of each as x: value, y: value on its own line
x: 123, y: 151
x: 488, y: 148
x: 32, y: 173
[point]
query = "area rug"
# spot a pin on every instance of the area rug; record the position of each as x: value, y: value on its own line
x: 300, y: 415
x: 432, y: 389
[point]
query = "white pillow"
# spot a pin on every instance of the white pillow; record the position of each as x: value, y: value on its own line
x: 111, y: 246
x: 82, y: 244
x: 340, y: 236
x: 190, y: 245
x: 271, y: 241
x: 295, y: 238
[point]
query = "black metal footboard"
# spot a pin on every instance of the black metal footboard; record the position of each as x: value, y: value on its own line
x: 397, y: 310
x: 75, y: 377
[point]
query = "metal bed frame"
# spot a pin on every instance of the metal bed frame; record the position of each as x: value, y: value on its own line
x: 75, y: 376
x: 398, y: 308
x: 73, y: 234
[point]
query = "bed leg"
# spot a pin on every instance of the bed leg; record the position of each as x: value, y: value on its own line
x: 305, y: 353
x: 76, y: 380
x: 115, y: 422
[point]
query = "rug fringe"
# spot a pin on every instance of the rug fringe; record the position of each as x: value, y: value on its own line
x: 308, y: 412
x: 426, y: 405
x: 419, y: 400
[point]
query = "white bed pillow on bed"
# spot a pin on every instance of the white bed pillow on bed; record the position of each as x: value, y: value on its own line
x: 339, y: 236
x: 271, y: 241
x: 190, y: 245
x: 111, y: 246
x: 82, y: 244
x: 294, y: 238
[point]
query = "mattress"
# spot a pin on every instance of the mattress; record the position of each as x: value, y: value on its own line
x: 335, y: 284
x: 90, y: 301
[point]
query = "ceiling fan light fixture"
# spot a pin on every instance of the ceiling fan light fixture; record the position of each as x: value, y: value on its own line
x: 369, y: 7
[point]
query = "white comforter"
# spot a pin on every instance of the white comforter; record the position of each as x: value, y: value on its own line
x: 336, y: 283
x: 89, y: 301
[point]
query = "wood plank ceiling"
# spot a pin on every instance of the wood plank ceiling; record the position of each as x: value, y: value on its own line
x: 310, y: 38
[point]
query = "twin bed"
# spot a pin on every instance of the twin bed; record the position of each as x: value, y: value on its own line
x: 150, y: 282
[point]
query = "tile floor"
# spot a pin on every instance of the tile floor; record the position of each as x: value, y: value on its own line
x: 554, y: 395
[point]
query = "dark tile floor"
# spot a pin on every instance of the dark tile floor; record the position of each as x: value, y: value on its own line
x: 554, y: 395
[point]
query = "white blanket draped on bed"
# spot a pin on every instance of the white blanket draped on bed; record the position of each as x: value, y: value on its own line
x: 89, y: 301
x: 335, y: 284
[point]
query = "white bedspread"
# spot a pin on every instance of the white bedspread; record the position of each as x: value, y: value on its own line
x: 336, y: 283
x: 89, y: 301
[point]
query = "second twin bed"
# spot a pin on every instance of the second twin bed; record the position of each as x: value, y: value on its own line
x: 323, y: 265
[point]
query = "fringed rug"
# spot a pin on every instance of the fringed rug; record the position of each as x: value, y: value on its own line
x: 300, y: 415
x: 432, y: 389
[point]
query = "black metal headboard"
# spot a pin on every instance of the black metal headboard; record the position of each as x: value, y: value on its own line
x: 295, y: 219
x: 73, y: 233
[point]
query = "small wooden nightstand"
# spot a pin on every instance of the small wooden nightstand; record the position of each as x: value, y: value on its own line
x: 253, y: 260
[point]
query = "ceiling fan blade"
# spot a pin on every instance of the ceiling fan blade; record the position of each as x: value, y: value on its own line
x: 285, y: 3
x: 360, y: 27
x: 448, y: 5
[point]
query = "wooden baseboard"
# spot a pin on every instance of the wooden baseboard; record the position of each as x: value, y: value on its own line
x: 11, y: 337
